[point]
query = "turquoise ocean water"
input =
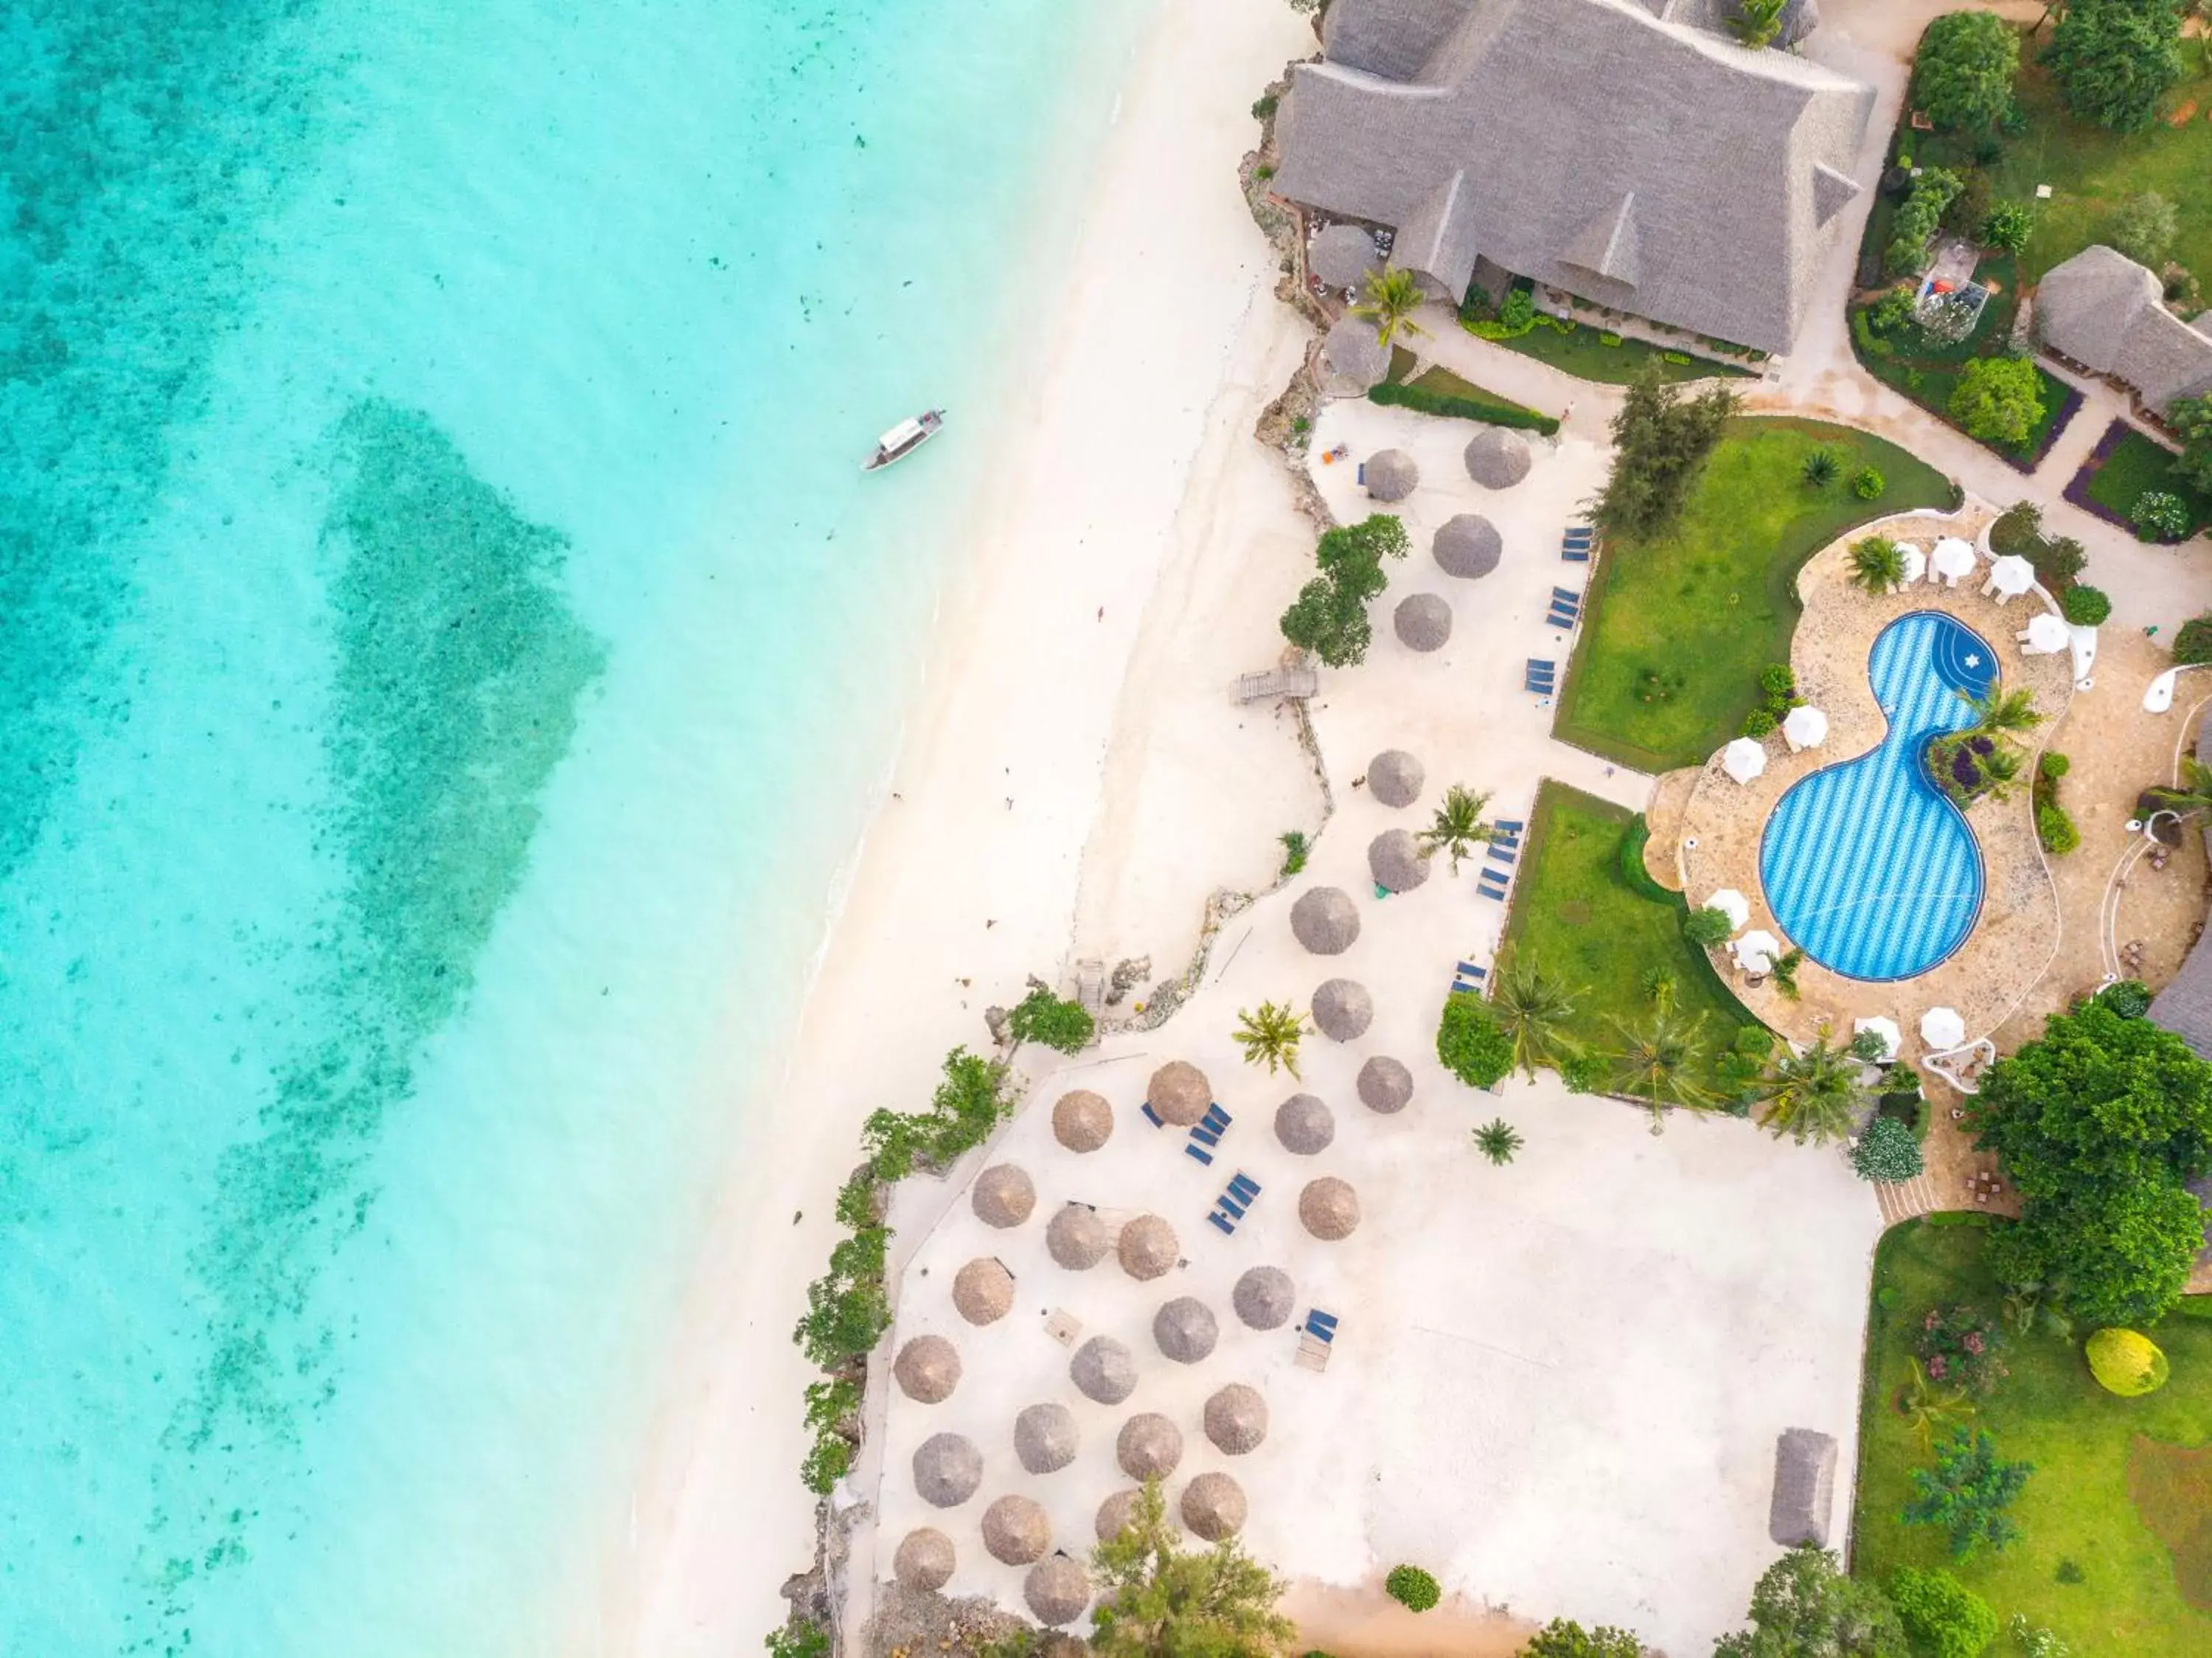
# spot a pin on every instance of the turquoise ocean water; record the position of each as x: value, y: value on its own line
x: 446, y: 650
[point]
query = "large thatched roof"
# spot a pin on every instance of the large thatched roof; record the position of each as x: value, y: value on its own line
x: 947, y: 1469
x: 983, y: 1290
x: 1392, y: 475
x: 1185, y: 1330
x: 927, y: 1368
x: 1045, y: 1439
x: 1147, y: 1248
x: 1467, y: 547
x: 1076, y: 1238
x: 925, y: 1559
x: 1497, y: 458
x: 1115, y: 1513
x: 1395, y: 777
x: 1329, y: 1208
x: 1214, y: 1507
x: 1804, y: 1488
x: 2109, y: 314
x: 1082, y: 1120
x: 1263, y: 1297
x: 1148, y: 1447
x: 1004, y: 1195
x: 1057, y: 1590
x: 1342, y: 1009
x: 1103, y: 1371
x: 1423, y: 622
x: 1342, y: 255
x: 1016, y: 1531
x: 1179, y: 1093
x: 1354, y: 356
x: 1385, y: 1085
x: 1396, y: 861
x: 1237, y: 1419
x: 1325, y: 921
x: 1304, y: 1124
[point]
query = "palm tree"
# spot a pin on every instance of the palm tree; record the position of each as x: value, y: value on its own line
x: 1929, y: 1410
x: 2192, y: 795
x: 2000, y: 766
x: 1457, y: 827
x: 1785, y: 973
x: 1392, y: 296
x: 1269, y: 1036
x: 2002, y: 712
x: 1532, y: 1008
x: 1655, y: 1062
x: 1820, y: 469
x: 1877, y: 563
x: 1498, y: 1139
x: 1813, y: 1095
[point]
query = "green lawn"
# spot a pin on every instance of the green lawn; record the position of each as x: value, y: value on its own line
x: 1575, y: 912
x: 2135, y: 465
x: 1584, y: 354
x: 1676, y: 630
x: 2076, y: 1507
x: 1443, y: 382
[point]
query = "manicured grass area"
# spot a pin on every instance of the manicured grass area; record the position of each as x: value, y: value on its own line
x: 2076, y: 1507
x: 1584, y: 353
x: 1443, y: 391
x: 2136, y: 464
x: 1677, y: 629
x: 1576, y: 912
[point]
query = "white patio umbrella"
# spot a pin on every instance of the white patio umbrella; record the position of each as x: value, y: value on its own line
x: 2044, y: 636
x: 1885, y: 1028
x: 1743, y: 759
x: 1805, y: 727
x: 1952, y: 559
x: 1733, y: 905
x: 1916, y: 561
x: 2009, y: 576
x: 1941, y: 1028
x: 1757, y: 952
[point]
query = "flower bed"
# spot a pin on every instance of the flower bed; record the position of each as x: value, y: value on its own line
x: 2124, y: 465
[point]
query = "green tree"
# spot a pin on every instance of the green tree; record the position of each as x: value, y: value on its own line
x: 1330, y: 622
x: 1498, y: 1139
x: 2145, y: 227
x: 2017, y: 530
x: 1657, y: 1061
x: 1963, y: 73
x: 1157, y: 1599
x: 1805, y: 1608
x: 1942, y: 1617
x: 800, y: 1637
x: 1707, y: 929
x: 2001, y: 713
x: 1660, y: 444
x: 1756, y: 22
x: 2192, y: 417
x: 1412, y: 1588
x: 1458, y: 828
x: 1877, y: 563
x: 1813, y: 1096
x: 1913, y: 228
x: 2114, y: 61
x: 1968, y: 1493
x: 1269, y: 1034
x: 1534, y: 1009
x: 2007, y: 226
x: 1470, y: 1045
x: 1392, y: 296
x: 1998, y: 400
x: 1563, y: 1638
x: 1886, y: 1151
x: 1042, y: 1017
x: 1928, y: 1409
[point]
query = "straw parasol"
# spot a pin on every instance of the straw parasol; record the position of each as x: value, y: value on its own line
x: 1003, y: 1195
x: 1892, y: 1037
x: 925, y: 1559
x: 1304, y: 1124
x: 1103, y: 1371
x: 1423, y: 621
x: 1076, y: 1238
x: 1214, y: 1507
x: 1743, y: 759
x: 1354, y: 356
x: 1179, y: 1093
x: 1057, y: 1590
x: 1395, y: 777
x: 1237, y: 1419
x: 1262, y: 1297
x: 1342, y: 255
x: 1342, y: 1009
x: 2045, y: 635
x: 1392, y: 475
x: 1804, y: 727
x: 1082, y: 1120
x: 1499, y: 459
x: 983, y: 1290
x: 1733, y: 905
x: 1757, y: 952
x: 1115, y: 1515
x: 1324, y: 920
x: 1385, y: 1085
x: 947, y: 1469
x: 1941, y: 1028
x: 1045, y: 1439
x: 1148, y: 1447
x: 1016, y: 1531
x: 1396, y: 860
x: 1184, y: 1330
x: 1467, y: 547
x: 928, y: 1369
x: 1329, y: 1208
x: 1952, y: 558
x: 1147, y: 1248
x: 2010, y: 576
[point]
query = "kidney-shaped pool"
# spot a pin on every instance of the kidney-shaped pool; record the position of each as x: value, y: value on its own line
x: 1868, y: 867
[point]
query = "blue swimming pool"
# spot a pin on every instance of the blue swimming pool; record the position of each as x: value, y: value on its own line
x: 1868, y: 867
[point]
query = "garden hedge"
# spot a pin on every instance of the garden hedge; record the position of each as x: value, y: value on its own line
x: 1460, y: 408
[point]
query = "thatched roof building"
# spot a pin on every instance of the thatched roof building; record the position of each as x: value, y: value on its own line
x: 1056, y: 1590
x: 1397, y: 861
x: 1077, y: 1239
x: 1237, y: 1419
x: 2109, y: 315
x: 1395, y: 777
x: 1179, y: 1093
x: 983, y: 1290
x: 1329, y: 1209
x: 1392, y: 475
x: 1263, y: 1297
x: 2184, y: 1006
x: 1467, y: 547
x: 1045, y: 1439
x: 1214, y: 1507
x: 1353, y: 356
x: 1342, y: 1009
x: 1103, y: 1371
x: 1385, y: 1085
x: 1497, y: 458
x: 947, y: 1469
x: 1184, y: 1329
x: 925, y: 1559
x: 1147, y: 1248
x: 1081, y: 1120
x: 1325, y: 921
x: 1304, y: 1125
x: 927, y: 1368
x: 1003, y: 1195
x: 1016, y: 1531
x: 1148, y: 1447
x: 1342, y: 255
x: 1804, y: 1488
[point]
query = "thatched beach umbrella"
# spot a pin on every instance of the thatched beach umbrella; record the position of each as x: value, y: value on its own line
x: 1045, y: 1439
x: 1325, y: 921
x: 1057, y: 1590
x: 1077, y: 1239
x: 1016, y: 1531
x: 1385, y: 1085
x: 1082, y: 1120
x: 1395, y: 777
x: 1397, y: 861
x: 1498, y: 459
x: 1148, y: 1248
x: 1237, y: 1419
x: 1342, y: 255
x: 1148, y: 1447
x: 1354, y: 357
x: 1103, y: 1371
x: 1342, y: 1009
x: 1329, y: 1208
x: 947, y: 1469
x: 1214, y: 1507
x: 1003, y: 1195
x: 1263, y: 1297
x: 1115, y: 1515
x: 983, y: 1290
x: 1184, y: 1330
x: 1304, y: 1124
x: 925, y: 1559
x: 928, y: 1369
x: 1179, y: 1093
x: 1423, y: 621
x: 1467, y: 547
x: 1391, y: 475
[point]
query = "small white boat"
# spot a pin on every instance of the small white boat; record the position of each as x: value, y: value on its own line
x: 904, y: 438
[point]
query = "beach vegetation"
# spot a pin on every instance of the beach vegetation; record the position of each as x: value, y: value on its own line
x: 832, y: 1410
x: 1270, y: 1035
x: 800, y: 1637
x: 1942, y: 1617
x: 1805, y: 1604
x: 2114, y: 61
x: 1563, y: 1638
x: 1708, y: 929
x: 1392, y: 296
x: 1499, y: 1141
x: 1458, y: 826
x: 1470, y: 1043
x: 1662, y: 441
x: 1437, y: 391
x: 1877, y: 563
x: 1886, y: 1151
x: 1998, y: 400
x: 1159, y: 1600
x: 1968, y: 1495
x: 1814, y: 1095
x: 1412, y: 1588
x: 1296, y: 847
x: 1050, y: 1021
x: 1963, y: 73
x: 1330, y: 615
x: 1536, y: 1011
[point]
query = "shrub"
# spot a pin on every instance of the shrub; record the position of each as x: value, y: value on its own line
x: 2129, y: 997
x: 1868, y: 483
x: 1296, y: 846
x: 1470, y: 1043
x: 1942, y: 1617
x: 801, y: 1637
x: 1963, y: 214
x: 1585, y: 1072
x: 1863, y: 333
x: 2018, y: 529
x: 2193, y: 643
x: 2126, y: 1362
x: 2159, y: 515
x: 1412, y: 1588
x: 1423, y: 400
x: 2054, y: 829
x: 1680, y: 358
x: 2054, y: 764
x: 1563, y: 1638
x: 1886, y: 1151
x: 1707, y: 929
x: 2114, y: 62
x: 1963, y: 73
x: 1777, y: 679
x: 1998, y: 400
x: 1960, y: 1346
x: 2145, y: 227
x: 2058, y: 561
x: 1820, y: 469
x: 1759, y: 723
x: 1263, y: 107
x: 1609, y: 339
x: 1043, y: 1018
x: 2008, y: 226
x: 2084, y: 606
x: 1894, y: 311
x: 1969, y: 1493
x: 1914, y: 224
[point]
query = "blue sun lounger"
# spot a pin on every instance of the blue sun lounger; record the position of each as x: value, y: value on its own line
x: 1468, y: 970
x: 1490, y: 885
x: 1501, y: 854
x: 1568, y: 597
x: 1564, y: 618
x: 1199, y: 1152
x: 1227, y: 1225
x: 1151, y: 1116
x: 1320, y: 1325
x: 1243, y: 1185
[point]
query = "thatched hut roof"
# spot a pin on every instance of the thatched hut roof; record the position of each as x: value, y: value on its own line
x: 1045, y: 1439
x: 983, y: 1290
x: 1423, y: 621
x: 1304, y: 1125
x: 1185, y: 1329
x: 1103, y: 1371
x: 1342, y: 1009
x: 1353, y: 356
x: 1076, y: 1238
x: 1147, y: 1248
x: 1263, y: 1297
x: 1115, y: 1513
x: 925, y: 1559
x: 927, y: 1368
x: 1804, y: 1488
x: 1397, y: 861
x: 1342, y: 255
x: 1395, y: 777
x: 1016, y: 1531
x: 1082, y: 1120
x: 1392, y: 475
x: 1385, y: 1085
x: 1329, y: 1208
x: 1467, y: 547
x: 1214, y: 1507
x: 1498, y: 458
x: 1148, y: 1447
x: 947, y: 1469
x: 1237, y: 1419
x: 1003, y: 1195
x: 1057, y: 1590
x: 1179, y: 1093
x: 1324, y: 920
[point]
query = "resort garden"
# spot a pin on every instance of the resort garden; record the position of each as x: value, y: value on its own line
x: 1600, y: 354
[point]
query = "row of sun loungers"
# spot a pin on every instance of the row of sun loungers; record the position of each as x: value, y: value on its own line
x: 1497, y: 870
x: 1468, y: 979
x: 1207, y: 1135
x: 1566, y: 607
x: 1576, y: 548
x: 1315, y: 1337
x: 1229, y: 1208
x: 1542, y: 678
